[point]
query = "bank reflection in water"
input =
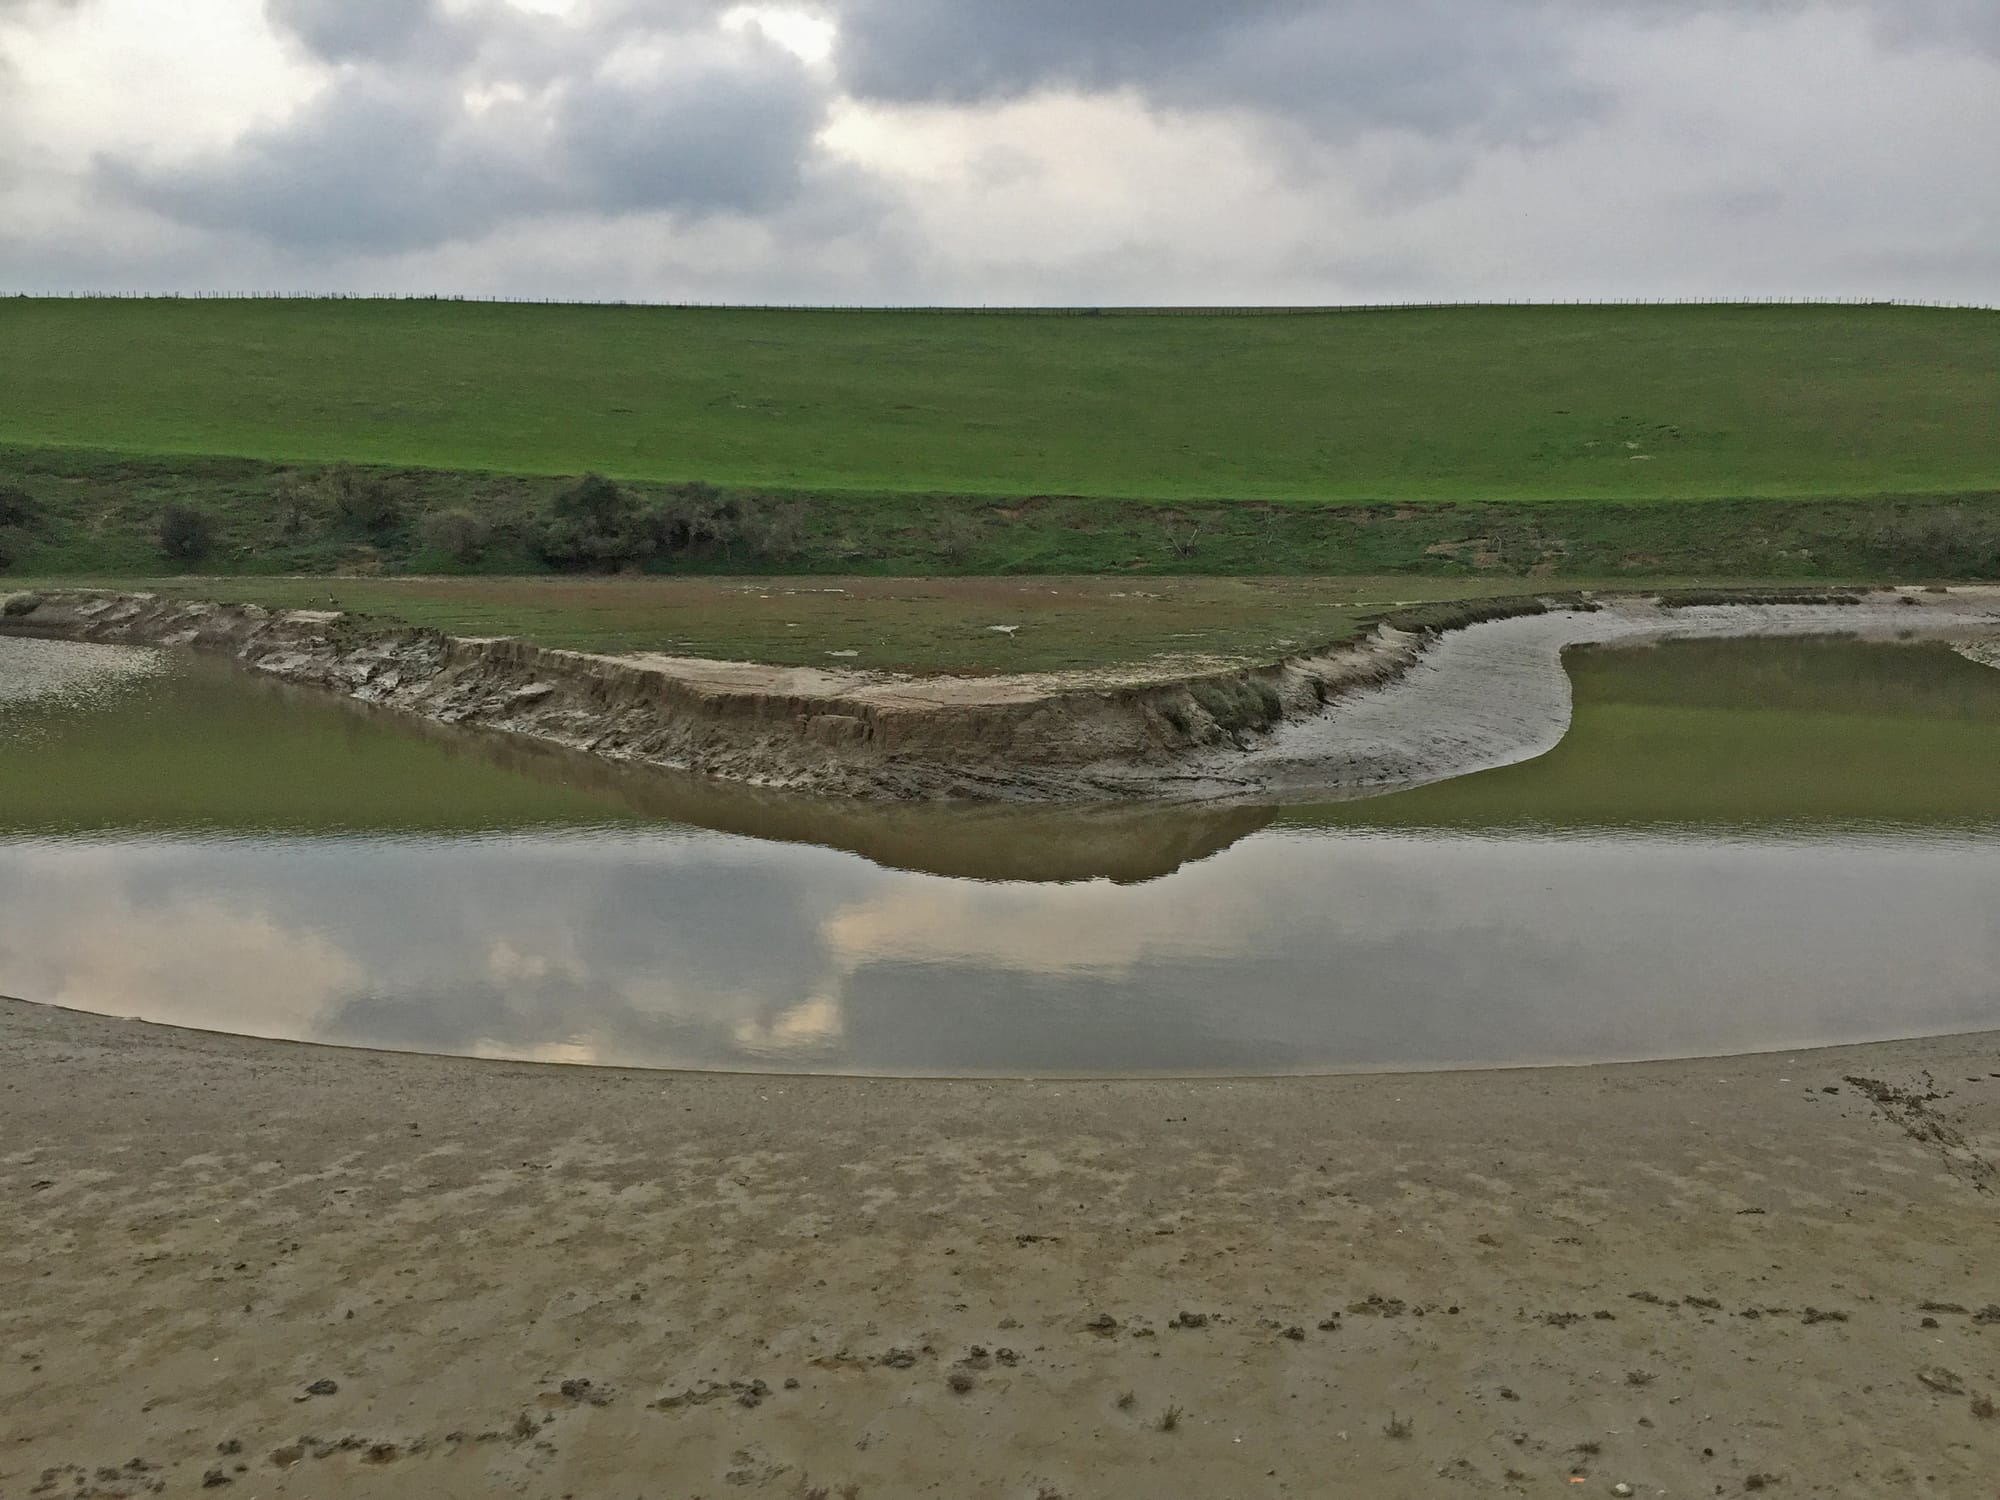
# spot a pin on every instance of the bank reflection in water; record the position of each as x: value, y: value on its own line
x: 122, y: 741
x: 193, y: 848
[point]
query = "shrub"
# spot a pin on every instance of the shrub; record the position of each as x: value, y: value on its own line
x: 594, y: 524
x: 595, y: 503
x: 774, y: 528
x: 186, y: 534
x: 14, y: 543
x: 1183, y: 536
x: 300, y: 504
x: 364, y: 501
x: 692, y: 517
x: 458, y: 534
x: 1953, y: 542
x: 956, y: 534
x: 18, y: 508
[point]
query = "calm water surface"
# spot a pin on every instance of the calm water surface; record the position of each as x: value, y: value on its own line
x: 1740, y: 845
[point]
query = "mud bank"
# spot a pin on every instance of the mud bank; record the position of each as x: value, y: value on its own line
x: 1497, y: 693
x: 1436, y: 694
x: 1063, y: 736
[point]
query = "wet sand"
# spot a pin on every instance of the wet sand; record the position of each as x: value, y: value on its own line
x: 1693, y: 1278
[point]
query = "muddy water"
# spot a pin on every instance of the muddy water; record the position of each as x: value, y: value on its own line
x: 1738, y: 846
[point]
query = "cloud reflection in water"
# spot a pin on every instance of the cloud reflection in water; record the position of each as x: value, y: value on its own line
x: 1289, y: 951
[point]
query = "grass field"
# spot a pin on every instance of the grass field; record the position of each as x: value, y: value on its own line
x: 1474, y: 404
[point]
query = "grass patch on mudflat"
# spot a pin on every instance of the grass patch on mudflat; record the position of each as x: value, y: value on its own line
x: 917, y: 625
x: 1469, y: 404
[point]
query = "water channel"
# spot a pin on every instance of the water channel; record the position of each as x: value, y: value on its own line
x: 1739, y: 845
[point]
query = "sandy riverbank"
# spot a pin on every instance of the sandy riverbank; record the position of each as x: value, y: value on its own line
x: 1694, y: 1278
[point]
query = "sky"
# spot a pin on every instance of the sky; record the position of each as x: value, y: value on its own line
x: 1003, y: 152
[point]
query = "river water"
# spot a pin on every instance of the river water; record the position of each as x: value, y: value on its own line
x: 1740, y: 845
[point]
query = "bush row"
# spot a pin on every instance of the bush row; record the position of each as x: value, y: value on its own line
x: 594, y: 524
x: 122, y: 515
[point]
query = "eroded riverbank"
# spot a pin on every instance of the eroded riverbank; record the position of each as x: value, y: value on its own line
x: 1059, y: 736
x: 1433, y: 697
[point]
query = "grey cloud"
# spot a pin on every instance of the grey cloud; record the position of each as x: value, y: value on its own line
x: 1496, y: 68
x: 716, y: 139
x: 350, y: 30
x: 632, y: 148
x: 963, y: 50
x: 1337, y: 66
x: 365, y: 166
x: 1970, y: 265
x: 393, y: 157
x: 1971, y: 24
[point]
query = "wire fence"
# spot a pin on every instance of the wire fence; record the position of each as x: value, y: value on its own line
x: 1227, y: 310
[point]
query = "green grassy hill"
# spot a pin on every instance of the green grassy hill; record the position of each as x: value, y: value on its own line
x: 1459, y: 404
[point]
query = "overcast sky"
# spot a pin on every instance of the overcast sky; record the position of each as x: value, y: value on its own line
x: 1004, y: 151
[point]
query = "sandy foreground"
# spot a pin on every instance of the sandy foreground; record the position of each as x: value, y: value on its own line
x: 1691, y: 1278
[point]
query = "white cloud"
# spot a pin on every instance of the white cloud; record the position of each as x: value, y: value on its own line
x: 85, y: 942
x: 117, y: 75
x: 805, y: 34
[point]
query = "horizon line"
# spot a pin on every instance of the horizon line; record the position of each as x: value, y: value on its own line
x: 1168, y: 309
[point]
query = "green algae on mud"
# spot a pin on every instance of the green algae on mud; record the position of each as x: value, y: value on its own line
x: 1744, y: 733
x: 204, y: 746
